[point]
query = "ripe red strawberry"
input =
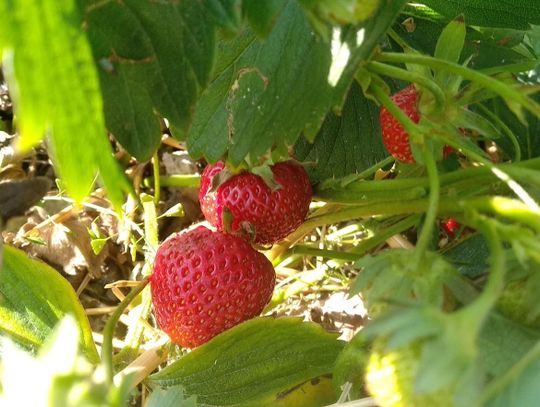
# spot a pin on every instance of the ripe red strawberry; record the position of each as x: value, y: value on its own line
x: 205, y: 282
x: 268, y: 215
x: 394, y: 136
x: 450, y: 226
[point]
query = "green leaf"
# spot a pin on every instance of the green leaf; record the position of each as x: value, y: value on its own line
x: 226, y: 13
x: 449, y: 47
x: 271, y: 91
x: 53, y: 81
x: 495, y: 13
x: 523, y: 390
x: 253, y: 362
x: 155, y: 58
x: 33, y: 298
x: 262, y: 14
x: 503, y: 342
x: 171, y: 397
x: 470, y: 257
x: 486, y: 48
x: 528, y: 136
x: 345, y: 144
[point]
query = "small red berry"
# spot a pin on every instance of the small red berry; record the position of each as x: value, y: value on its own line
x: 450, y: 226
x: 394, y: 136
x: 206, y: 282
x: 267, y: 214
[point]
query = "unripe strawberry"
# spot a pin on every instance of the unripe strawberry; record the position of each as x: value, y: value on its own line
x: 515, y: 303
x: 390, y: 377
x: 205, y: 282
x: 265, y: 214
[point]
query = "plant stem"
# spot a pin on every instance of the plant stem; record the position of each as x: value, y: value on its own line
x: 500, y: 88
x: 496, y: 170
x: 157, y: 187
x: 375, y: 167
x: 481, y: 307
x: 108, y: 331
x: 433, y: 203
x: 189, y: 181
x: 399, y: 41
x: 409, y: 76
x: 331, y: 254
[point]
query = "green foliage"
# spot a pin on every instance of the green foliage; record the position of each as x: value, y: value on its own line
x: 253, y: 362
x: 258, y: 85
x: 485, y: 48
x: 34, y: 297
x: 247, y: 80
x: 50, y: 69
x: 496, y: 13
x: 346, y: 144
x: 388, y: 278
x: 158, y: 70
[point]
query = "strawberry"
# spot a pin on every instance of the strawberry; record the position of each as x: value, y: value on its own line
x: 205, y: 282
x: 450, y: 226
x: 394, y: 136
x: 390, y: 378
x: 255, y: 209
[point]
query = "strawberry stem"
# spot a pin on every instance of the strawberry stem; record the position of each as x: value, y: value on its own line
x: 499, y: 172
x: 175, y: 181
x: 433, y: 204
x: 409, y: 76
x: 108, y: 331
x: 498, y: 87
x: 157, y: 186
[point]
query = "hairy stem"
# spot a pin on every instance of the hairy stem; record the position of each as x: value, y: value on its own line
x: 433, y: 203
x: 409, y: 76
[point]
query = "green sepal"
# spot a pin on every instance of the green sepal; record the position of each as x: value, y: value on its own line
x: 449, y: 47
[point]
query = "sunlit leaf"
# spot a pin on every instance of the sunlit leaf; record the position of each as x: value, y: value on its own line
x: 253, y: 362
x: 33, y: 298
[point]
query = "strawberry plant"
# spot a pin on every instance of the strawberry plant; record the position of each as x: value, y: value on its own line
x: 280, y: 203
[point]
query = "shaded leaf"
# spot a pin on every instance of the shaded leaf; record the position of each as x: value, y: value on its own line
x: 34, y: 298
x: 470, y: 257
x: 16, y: 196
x: 495, y: 13
x: 158, y: 70
x: 253, y: 362
x: 262, y: 15
x: 346, y: 144
x: 528, y: 136
x: 485, y: 48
